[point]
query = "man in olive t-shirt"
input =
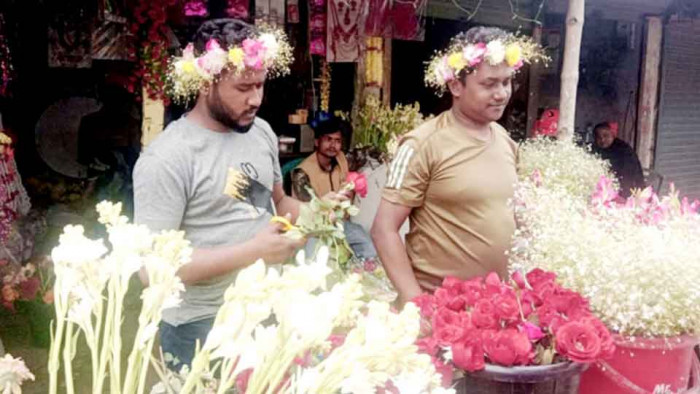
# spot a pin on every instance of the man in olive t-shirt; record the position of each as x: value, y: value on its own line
x: 452, y: 177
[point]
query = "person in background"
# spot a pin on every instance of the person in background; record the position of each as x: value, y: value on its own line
x: 622, y: 158
x: 452, y: 177
x: 326, y: 170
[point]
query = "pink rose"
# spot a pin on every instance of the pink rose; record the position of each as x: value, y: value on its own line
x: 29, y: 288
x: 484, y: 315
x: 509, y: 347
x: 506, y: 307
x: 519, y: 280
x: 538, y: 276
x: 578, y: 342
x: 428, y: 345
x: 254, y: 53
x: 468, y: 354
x: 534, y: 333
x: 607, y: 344
x: 550, y: 318
x: 472, y: 291
x: 426, y: 303
x: 360, y: 181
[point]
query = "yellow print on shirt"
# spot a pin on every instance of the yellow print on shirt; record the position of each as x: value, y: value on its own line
x: 236, y: 184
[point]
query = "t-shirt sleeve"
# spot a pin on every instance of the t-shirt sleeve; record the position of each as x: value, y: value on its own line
x: 160, y: 193
x: 409, y: 174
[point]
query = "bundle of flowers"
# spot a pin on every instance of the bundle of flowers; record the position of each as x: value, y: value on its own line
x: 378, y: 127
x: 89, y: 293
x: 561, y: 165
x: 277, y: 331
x: 28, y: 283
x: 322, y: 219
x: 321, y: 341
x: 637, y: 262
x: 529, y: 320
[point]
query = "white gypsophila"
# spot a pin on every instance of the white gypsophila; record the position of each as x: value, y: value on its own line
x: 272, y: 47
x: 495, y: 52
x: 641, y: 278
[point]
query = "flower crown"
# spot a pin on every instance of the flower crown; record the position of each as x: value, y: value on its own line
x: 463, y: 55
x: 266, y: 51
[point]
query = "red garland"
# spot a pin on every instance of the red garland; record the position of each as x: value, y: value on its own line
x: 150, y: 47
x: 5, y: 62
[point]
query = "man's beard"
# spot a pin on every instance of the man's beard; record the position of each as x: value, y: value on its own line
x: 221, y: 115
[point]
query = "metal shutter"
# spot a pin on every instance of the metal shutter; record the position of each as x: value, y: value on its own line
x: 678, y: 137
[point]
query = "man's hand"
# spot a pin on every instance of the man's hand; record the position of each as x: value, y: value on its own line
x: 274, y: 247
x: 337, y: 196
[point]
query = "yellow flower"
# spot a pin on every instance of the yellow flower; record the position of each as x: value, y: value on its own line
x: 456, y: 61
x: 187, y: 67
x: 235, y: 56
x: 513, y: 54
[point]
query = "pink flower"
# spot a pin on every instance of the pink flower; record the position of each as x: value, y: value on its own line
x: 254, y: 53
x: 484, y: 315
x: 506, y: 307
x: 519, y: 280
x: 370, y: 265
x: 534, y: 333
x: 445, y: 370
x: 509, y: 347
x: 29, y: 288
x: 359, y: 181
x: 579, y: 342
x: 426, y: 303
x: 468, y: 354
x: 538, y: 276
x: 242, y: 380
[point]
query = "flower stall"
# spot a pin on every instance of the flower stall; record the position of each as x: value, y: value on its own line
x: 636, y: 261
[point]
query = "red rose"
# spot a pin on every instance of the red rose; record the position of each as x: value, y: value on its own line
x: 445, y: 370
x: 506, y: 306
x: 426, y: 303
x: 578, y: 342
x: 607, y: 344
x: 565, y: 301
x: 509, y: 347
x: 442, y: 297
x: 550, y: 318
x: 519, y: 280
x: 428, y: 345
x: 484, y: 315
x: 494, y: 285
x: 472, y: 291
x: 446, y: 335
x: 468, y: 354
x: 538, y: 276
x: 28, y: 288
x: 445, y: 318
x: 545, y: 290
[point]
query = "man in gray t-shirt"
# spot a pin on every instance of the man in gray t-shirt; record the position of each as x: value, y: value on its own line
x: 215, y: 174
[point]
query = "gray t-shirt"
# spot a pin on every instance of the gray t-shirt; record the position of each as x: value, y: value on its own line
x: 179, y: 184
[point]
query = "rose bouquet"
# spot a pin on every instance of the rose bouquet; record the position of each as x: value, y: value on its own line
x: 29, y: 283
x: 529, y: 320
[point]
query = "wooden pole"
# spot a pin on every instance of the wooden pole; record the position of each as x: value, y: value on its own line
x: 533, y: 100
x: 569, y: 75
x: 649, y: 92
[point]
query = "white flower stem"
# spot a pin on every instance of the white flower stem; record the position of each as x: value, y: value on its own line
x: 68, y: 358
x: 144, y: 366
x: 162, y: 375
x: 54, y: 362
x: 106, y: 343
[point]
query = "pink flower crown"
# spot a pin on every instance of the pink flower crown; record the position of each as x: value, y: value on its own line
x: 463, y: 55
x: 268, y: 51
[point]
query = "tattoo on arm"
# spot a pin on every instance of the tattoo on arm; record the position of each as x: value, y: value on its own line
x: 300, y: 183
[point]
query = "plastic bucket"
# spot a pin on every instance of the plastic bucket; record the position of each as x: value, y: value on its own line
x: 562, y: 378
x: 641, y: 365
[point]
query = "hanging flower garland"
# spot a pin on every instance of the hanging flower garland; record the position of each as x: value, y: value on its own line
x: 5, y: 61
x: 325, y: 86
x: 150, y: 47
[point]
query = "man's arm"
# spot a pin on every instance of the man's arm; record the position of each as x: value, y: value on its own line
x: 392, y: 251
x: 284, y: 204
